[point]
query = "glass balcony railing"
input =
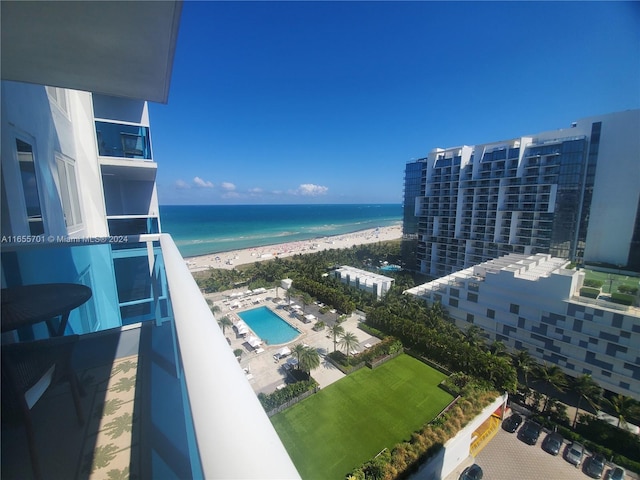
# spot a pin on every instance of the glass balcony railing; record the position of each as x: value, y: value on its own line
x: 164, y: 396
x: 123, y: 140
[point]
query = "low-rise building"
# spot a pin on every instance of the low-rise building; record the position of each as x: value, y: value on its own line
x: 379, y: 285
x: 532, y: 302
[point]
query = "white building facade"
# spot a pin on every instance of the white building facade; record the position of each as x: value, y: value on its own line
x: 379, y: 285
x: 573, y: 193
x: 532, y: 303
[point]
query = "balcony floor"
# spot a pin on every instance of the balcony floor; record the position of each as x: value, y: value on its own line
x: 125, y: 434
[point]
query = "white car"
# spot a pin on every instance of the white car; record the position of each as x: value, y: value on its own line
x: 574, y: 454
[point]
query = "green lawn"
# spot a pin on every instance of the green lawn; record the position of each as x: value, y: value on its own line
x: 350, y: 421
x: 611, y: 280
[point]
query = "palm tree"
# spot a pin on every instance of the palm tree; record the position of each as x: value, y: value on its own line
x: 624, y: 407
x: 225, y: 322
x: 524, y: 364
x: 306, y: 299
x: 215, y: 309
x: 498, y: 349
x: 298, y: 351
x: 309, y: 359
x: 336, y: 330
x: 348, y: 341
x: 553, y: 377
x: 586, y: 388
x: 474, y: 337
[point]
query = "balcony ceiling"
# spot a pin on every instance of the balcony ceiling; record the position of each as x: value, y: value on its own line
x: 116, y: 48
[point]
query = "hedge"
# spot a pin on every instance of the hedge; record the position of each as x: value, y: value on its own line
x: 622, y: 298
x: 589, y: 292
x: 592, y: 283
x: 291, y: 391
x: 627, y: 289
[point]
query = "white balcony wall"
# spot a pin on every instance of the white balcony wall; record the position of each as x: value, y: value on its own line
x: 234, y: 435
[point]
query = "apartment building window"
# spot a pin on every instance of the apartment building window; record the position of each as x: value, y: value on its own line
x: 59, y: 97
x: 472, y: 297
x: 453, y: 302
x: 491, y: 313
x: 68, y: 186
x: 30, y: 187
x: 513, y: 308
x: 123, y: 140
x: 470, y: 318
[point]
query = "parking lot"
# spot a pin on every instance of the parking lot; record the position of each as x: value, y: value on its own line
x: 508, y: 458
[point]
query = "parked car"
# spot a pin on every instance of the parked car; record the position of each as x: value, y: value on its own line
x: 530, y: 432
x: 552, y: 443
x: 615, y: 473
x: 474, y: 472
x: 595, y: 466
x: 512, y: 423
x: 574, y: 454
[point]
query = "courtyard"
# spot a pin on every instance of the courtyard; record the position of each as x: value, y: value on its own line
x: 264, y: 373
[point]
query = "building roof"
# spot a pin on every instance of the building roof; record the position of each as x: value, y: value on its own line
x: 116, y: 48
x: 366, y: 278
x: 527, y: 267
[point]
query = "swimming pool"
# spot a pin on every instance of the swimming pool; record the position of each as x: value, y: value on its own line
x: 268, y: 326
x: 391, y: 268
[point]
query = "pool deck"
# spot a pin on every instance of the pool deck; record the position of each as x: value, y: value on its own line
x: 264, y: 373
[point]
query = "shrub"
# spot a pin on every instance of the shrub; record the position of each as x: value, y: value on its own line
x: 622, y: 298
x: 592, y: 283
x: 589, y: 292
x: 280, y: 397
x: 371, y: 330
x: 318, y: 326
x: 238, y: 352
x: 628, y: 289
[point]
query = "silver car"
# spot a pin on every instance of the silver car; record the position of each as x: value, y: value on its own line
x: 574, y: 454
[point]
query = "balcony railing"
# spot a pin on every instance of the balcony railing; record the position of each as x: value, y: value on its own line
x: 197, y: 416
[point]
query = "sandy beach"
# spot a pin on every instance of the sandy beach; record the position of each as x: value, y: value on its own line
x: 233, y: 258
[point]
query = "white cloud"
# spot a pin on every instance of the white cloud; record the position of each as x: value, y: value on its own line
x: 311, y: 190
x: 255, y: 191
x: 202, y: 183
x: 228, y: 186
x: 181, y: 184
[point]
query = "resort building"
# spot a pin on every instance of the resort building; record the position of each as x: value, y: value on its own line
x: 573, y: 193
x: 80, y: 215
x: 379, y: 285
x: 533, y: 303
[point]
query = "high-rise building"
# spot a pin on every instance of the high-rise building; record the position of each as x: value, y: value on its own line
x: 164, y: 395
x: 572, y: 193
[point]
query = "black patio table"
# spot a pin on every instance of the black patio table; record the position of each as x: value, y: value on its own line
x: 30, y: 304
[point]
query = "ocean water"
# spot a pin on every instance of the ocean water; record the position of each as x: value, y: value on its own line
x: 205, y: 229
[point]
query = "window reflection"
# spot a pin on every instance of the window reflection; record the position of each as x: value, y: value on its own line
x: 121, y: 140
x: 30, y: 187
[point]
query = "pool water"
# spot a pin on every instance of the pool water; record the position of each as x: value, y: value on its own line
x: 391, y: 268
x: 268, y: 326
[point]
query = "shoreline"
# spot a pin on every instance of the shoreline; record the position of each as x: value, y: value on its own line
x: 230, y: 259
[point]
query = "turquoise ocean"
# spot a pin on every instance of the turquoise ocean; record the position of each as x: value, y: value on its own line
x: 205, y: 229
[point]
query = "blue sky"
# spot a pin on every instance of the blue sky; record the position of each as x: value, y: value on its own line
x: 325, y: 102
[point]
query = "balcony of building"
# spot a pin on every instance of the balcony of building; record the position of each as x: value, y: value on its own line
x: 130, y: 198
x: 163, y: 395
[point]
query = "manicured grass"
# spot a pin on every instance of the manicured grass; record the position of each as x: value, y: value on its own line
x: 350, y: 421
x: 611, y: 281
